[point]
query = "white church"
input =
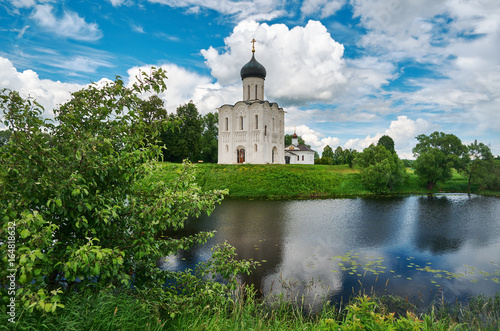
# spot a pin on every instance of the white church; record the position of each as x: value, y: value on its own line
x: 252, y: 130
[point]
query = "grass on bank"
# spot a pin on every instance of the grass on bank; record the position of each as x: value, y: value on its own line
x: 274, y: 181
x: 124, y: 311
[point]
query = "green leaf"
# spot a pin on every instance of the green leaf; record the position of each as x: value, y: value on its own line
x: 25, y: 233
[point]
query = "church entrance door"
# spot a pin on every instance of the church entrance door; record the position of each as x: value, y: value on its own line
x: 240, y: 154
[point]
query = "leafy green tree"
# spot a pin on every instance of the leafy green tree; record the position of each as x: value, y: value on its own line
x: 387, y: 142
x: 155, y: 116
x: 185, y: 141
x: 209, y: 138
x: 81, y: 210
x: 436, y: 155
x: 350, y: 156
x: 327, y: 155
x: 4, y: 137
x: 288, y: 140
x: 338, y: 156
x: 478, y: 158
x: 327, y: 152
x: 382, y: 171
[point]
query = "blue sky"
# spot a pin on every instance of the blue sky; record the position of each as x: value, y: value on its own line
x: 346, y: 71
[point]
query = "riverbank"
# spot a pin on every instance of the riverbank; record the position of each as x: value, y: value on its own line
x: 272, y: 181
x: 122, y: 310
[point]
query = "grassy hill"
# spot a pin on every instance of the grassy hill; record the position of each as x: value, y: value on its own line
x: 273, y: 181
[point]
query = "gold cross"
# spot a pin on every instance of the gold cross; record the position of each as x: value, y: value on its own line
x: 253, y: 44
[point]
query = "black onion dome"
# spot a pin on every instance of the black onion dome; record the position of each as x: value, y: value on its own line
x: 253, y: 69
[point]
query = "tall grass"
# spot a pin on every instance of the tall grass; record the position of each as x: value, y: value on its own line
x: 123, y: 311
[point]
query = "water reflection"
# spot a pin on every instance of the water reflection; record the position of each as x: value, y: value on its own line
x: 331, y: 248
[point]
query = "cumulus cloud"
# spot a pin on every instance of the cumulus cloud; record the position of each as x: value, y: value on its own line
x: 70, y: 25
x: 314, y: 138
x: 48, y: 93
x: 184, y: 86
x: 403, y: 131
x: 303, y: 64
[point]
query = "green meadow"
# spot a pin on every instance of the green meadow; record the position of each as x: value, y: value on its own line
x: 273, y: 181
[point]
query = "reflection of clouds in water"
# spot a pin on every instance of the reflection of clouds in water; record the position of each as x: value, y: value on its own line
x: 298, y: 239
x: 170, y: 262
x: 304, y: 275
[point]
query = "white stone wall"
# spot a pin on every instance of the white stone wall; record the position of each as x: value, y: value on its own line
x: 253, y: 88
x: 301, y: 157
x: 256, y: 127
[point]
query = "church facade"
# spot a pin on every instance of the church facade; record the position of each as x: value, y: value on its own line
x: 252, y: 130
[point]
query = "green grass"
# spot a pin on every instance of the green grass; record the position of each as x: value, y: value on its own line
x: 296, y: 181
x: 89, y: 311
x: 123, y: 311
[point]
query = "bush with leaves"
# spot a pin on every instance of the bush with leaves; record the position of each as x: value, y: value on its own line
x: 381, y: 170
x: 436, y: 155
x: 77, y: 196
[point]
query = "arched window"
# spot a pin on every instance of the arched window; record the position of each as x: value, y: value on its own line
x: 227, y: 148
x: 248, y: 96
x: 265, y: 130
x: 256, y: 92
x: 298, y: 158
x: 256, y: 147
x: 256, y: 122
x: 302, y: 157
x: 241, y: 122
x: 274, y: 126
x: 227, y: 124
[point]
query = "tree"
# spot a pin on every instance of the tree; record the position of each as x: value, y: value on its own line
x: 436, y: 155
x: 209, y: 138
x: 288, y: 140
x: 327, y: 152
x: 338, y: 156
x: 81, y: 210
x: 382, y: 171
x: 185, y: 141
x: 155, y: 116
x: 478, y: 157
x: 350, y: 156
x: 387, y: 142
x: 327, y: 155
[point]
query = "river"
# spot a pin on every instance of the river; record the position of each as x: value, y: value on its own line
x: 445, y: 247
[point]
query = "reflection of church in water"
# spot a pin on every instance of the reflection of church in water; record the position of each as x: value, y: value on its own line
x: 252, y: 130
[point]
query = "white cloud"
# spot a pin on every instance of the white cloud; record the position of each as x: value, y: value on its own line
x: 324, y: 8
x: 48, y: 93
x: 70, y: 25
x: 117, y: 3
x: 138, y: 28
x: 403, y: 131
x: 81, y: 64
x: 23, y: 3
x: 303, y: 64
x: 313, y: 138
x: 251, y: 9
x: 184, y: 86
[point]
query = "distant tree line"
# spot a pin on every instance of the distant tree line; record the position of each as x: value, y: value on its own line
x: 438, y: 155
